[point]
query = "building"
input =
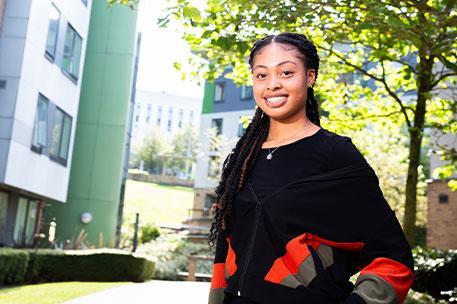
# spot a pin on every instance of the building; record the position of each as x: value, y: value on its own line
x: 94, y: 191
x: 442, y: 202
x: 167, y: 112
x: 42, y: 51
x: 224, y: 106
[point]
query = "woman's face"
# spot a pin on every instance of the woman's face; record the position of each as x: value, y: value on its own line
x: 280, y: 81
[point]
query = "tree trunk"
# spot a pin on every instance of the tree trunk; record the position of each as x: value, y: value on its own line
x: 416, y: 134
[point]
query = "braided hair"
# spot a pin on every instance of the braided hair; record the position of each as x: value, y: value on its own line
x: 240, y: 161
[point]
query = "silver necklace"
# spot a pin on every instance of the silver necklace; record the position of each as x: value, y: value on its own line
x: 270, y: 153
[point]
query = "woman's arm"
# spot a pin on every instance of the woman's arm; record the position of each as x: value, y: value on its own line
x: 218, y: 280
x: 387, y: 266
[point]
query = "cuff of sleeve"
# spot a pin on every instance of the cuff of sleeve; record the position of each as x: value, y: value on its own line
x: 353, y: 298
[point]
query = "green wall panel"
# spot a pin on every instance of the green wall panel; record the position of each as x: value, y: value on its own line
x: 96, y: 169
x: 208, y: 97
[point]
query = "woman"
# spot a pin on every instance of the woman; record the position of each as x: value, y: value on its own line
x: 299, y: 210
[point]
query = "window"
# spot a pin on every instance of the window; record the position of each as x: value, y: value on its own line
x: 148, y: 113
x: 159, y: 115
x: 72, y: 53
x: 213, y: 167
x: 61, y: 136
x: 181, y: 112
x: 219, y: 92
x: 53, y: 30
x: 443, y: 198
x: 191, y: 117
x: 246, y: 92
x: 84, y: 2
x: 24, y: 227
x: 217, y: 123
x: 137, y: 115
x: 241, y: 129
x: 40, y: 129
x: 170, y: 115
x: 3, y: 213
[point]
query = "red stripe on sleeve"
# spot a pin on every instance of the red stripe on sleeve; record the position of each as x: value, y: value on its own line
x: 395, y: 273
x: 218, y: 278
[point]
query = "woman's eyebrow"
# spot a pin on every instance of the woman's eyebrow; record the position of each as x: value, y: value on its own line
x: 281, y: 63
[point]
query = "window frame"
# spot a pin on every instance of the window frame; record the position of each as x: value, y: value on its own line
x: 222, y: 97
x: 47, y: 54
x: 69, y: 65
x: 58, y: 157
x: 37, y: 146
x: 243, y: 95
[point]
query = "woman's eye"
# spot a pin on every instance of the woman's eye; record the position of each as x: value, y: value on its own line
x: 260, y: 76
x: 288, y: 73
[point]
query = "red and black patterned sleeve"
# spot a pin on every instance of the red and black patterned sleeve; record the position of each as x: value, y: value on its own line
x: 218, y: 280
x: 386, y: 266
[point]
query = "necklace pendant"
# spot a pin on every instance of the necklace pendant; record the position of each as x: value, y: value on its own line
x: 269, y: 156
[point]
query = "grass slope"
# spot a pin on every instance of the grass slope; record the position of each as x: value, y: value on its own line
x: 158, y: 204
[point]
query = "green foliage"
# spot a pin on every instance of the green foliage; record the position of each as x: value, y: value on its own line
x: 13, y: 266
x: 30, y: 266
x: 184, y: 147
x: 435, y: 272
x: 149, y: 233
x: 170, y: 253
x: 149, y: 150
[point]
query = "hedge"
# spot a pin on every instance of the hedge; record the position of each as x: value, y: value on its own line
x: 13, y: 266
x: 29, y: 266
x: 435, y: 272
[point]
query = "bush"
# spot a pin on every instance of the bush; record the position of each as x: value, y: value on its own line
x: 55, y: 266
x: 170, y: 253
x: 149, y: 233
x: 435, y: 272
x: 13, y: 266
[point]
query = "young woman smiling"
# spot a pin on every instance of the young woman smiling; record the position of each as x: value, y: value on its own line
x: 299, y: 210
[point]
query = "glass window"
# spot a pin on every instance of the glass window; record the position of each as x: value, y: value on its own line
x: 72, y: 52
x: 181, y: 112
x: 61, y: 133
x: 3, y: 213
x: 246, y: 92
x: 217, y: 123
x: 169, y: 125
x: 219, y: 92
x: 40, y: 130
x: 148, y: 113
x: 31, y: 222
x: 191, y: 117
x: 213, y: 167
x: 20, y: 222
x: 159, y: 115
x: 53, y: 30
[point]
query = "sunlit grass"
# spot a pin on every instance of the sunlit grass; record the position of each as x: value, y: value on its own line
x: 158, y: 204
x: 51, y: 293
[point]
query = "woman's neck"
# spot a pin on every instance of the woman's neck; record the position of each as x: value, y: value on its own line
x: 282, y: 133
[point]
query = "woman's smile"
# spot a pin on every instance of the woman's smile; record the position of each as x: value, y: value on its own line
x: 276, y: 101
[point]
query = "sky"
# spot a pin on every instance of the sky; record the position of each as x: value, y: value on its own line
x: 159, y: 49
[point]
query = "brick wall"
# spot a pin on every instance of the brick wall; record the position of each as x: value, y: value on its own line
x: 441, y: 216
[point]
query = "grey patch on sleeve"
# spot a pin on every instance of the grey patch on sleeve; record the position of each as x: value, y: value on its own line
x: 375, y: 290
x: 216, y: 296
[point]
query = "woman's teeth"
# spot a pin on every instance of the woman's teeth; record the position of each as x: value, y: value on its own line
x: 276, y: 99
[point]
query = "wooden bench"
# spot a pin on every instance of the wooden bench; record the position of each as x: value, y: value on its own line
x: 192, y: 274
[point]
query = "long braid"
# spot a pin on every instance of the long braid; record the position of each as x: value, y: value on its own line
x: 241, y: 159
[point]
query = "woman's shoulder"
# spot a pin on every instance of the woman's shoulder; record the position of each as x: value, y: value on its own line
x: 342, y: 151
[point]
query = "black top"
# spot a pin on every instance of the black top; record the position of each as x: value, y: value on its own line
x: 320, y: 152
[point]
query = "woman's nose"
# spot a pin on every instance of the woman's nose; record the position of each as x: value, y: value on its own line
x: 274, y: 83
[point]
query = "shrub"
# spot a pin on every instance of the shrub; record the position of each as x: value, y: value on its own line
x: 170, y: 253
x: 13, y: 266
x: 149, y: 233
x: 56, y: 265
x: 435, y: 272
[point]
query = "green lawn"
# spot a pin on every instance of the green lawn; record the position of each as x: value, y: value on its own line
x: 158, y: 204
x: 51, y: 293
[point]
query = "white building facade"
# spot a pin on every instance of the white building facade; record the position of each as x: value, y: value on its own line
x: 42, y: 47
x: 167, y: 112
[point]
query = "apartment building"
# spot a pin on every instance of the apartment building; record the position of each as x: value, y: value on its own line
x: 42, y: 50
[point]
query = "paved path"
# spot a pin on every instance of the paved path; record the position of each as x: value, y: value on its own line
x: 151, y: 292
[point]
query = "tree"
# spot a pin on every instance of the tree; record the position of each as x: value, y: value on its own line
x: 149, y: 150
x: 391, y: 48
x: 184, y: 146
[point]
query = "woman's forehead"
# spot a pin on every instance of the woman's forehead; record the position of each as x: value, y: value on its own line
x: 275, y: 53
